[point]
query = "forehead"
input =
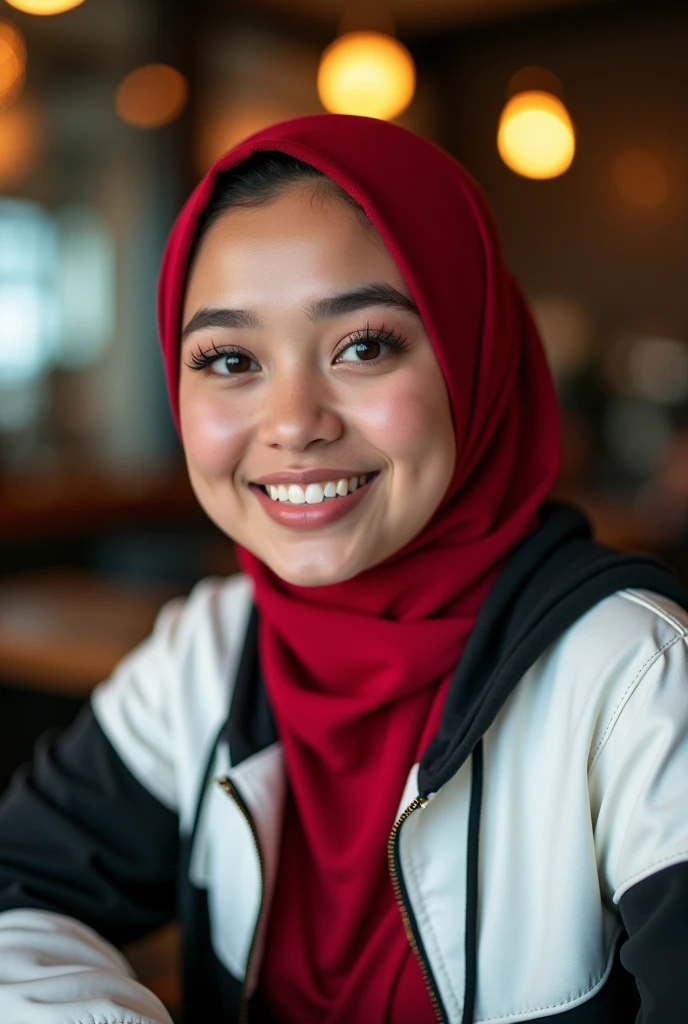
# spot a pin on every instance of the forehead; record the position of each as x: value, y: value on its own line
x: 297, y: 245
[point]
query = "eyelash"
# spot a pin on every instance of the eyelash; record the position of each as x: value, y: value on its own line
x: 203, y: 359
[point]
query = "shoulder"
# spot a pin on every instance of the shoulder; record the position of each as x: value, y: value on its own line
x: 211, y: 619
x: 632, y: 616
x: 623, y: 634
x: 626, y: 643
x: 202, y: 629
x: 165, y: 701
x: 629, y: 651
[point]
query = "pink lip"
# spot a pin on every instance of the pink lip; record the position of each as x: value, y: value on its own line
x: 307, y: 517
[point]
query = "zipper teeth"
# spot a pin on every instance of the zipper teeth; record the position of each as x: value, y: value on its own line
x: 419, y: 801
x: 230, y: 789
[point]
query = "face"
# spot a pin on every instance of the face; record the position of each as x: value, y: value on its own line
x: 303, y: 354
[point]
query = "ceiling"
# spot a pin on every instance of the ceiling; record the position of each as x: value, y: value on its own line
x: 410, y: 16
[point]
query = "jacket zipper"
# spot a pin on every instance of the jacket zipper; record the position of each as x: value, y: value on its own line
x: 393, y: 860
x: 406, y: 912
x: 230, y: 789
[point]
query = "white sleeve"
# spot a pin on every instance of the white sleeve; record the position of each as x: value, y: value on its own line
x: 55, y: 970
x: 89, y: 836
x: 639, y: 773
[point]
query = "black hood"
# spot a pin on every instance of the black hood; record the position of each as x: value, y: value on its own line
x: 553, y: 578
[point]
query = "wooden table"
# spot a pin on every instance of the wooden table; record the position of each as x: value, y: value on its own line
x: 64, y: 631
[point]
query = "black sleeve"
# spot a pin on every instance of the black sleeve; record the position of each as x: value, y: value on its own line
x: 655, y: 914
x: 79, y: 835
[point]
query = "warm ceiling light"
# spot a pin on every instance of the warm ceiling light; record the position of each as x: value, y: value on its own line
x: 12, y: 63
x: 44, y: 6
x: 367, y: 73
x: 535, y: 136
x: 640, y: 179
x: 151, y: 96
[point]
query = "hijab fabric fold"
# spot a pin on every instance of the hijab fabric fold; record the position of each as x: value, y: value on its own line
x: 357, y: 671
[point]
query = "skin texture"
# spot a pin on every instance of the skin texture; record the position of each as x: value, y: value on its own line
x: 299, y: 398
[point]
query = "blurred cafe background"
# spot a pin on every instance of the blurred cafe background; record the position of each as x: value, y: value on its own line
x: 573, y: 116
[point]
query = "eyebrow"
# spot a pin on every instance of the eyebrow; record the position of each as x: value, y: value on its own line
x: 378, y: 294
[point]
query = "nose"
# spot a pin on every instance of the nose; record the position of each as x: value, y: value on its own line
x: 298, y: 410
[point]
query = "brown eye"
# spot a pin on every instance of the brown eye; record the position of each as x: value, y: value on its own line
x: 369, y: 345
x: 235, y: 362
x: 367, y: 349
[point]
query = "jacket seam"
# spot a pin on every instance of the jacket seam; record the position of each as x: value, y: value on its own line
x: 565, y: 1002
x: 640, y: 597
x: 614, y: 717
x: 643, y: 873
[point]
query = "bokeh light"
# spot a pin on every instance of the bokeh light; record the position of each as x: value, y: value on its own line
x: 637, y: 434
x: 45, y: 6
x: 566, y: 333
x: 640, y: 179
x: 21, y: 136
x: 649, y: 366
x: 535, y: 137
x: 151, y: 96
x: 12, y: 63
x: 367, y: 73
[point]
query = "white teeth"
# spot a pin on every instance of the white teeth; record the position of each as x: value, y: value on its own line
x: 314, y: 494
x: 296, y: 495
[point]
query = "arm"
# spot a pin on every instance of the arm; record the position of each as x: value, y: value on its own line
x: 88, y: 853
x: 639, y: 785
x: 655, y: 913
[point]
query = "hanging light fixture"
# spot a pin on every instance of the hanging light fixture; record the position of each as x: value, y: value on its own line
x: 536, y: 138
x: 151, y: 96
x: 44, y: 6
x: 12, y: 63
x: 368, y: 73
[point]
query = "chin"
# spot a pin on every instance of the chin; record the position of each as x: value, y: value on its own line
x: 313, y: 575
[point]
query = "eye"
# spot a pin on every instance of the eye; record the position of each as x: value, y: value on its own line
x: 223, y: 362
x: 368, y: 344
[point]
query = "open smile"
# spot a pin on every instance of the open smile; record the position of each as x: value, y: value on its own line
x: 302, y: 514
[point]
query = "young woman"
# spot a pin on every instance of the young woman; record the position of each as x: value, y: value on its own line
x: 426, y: 757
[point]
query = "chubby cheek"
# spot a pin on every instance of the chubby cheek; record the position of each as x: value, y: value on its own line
x: 411, y: 425
x: 214, y: 440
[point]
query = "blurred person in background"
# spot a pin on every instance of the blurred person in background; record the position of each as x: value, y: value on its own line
x: 426, y: 757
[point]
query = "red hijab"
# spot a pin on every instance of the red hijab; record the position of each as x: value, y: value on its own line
x: 357, y: 671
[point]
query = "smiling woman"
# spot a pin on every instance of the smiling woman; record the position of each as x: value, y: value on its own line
x: 290, y: 364
x: 426, y: 757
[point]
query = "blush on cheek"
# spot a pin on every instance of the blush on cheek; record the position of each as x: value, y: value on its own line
x: 404, y: 422
x: 213, y: 441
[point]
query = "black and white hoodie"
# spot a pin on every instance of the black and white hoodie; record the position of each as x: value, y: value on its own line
x: 540, y: 852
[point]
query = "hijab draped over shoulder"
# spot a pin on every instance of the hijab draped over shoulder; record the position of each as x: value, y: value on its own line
x: 356, y: 672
